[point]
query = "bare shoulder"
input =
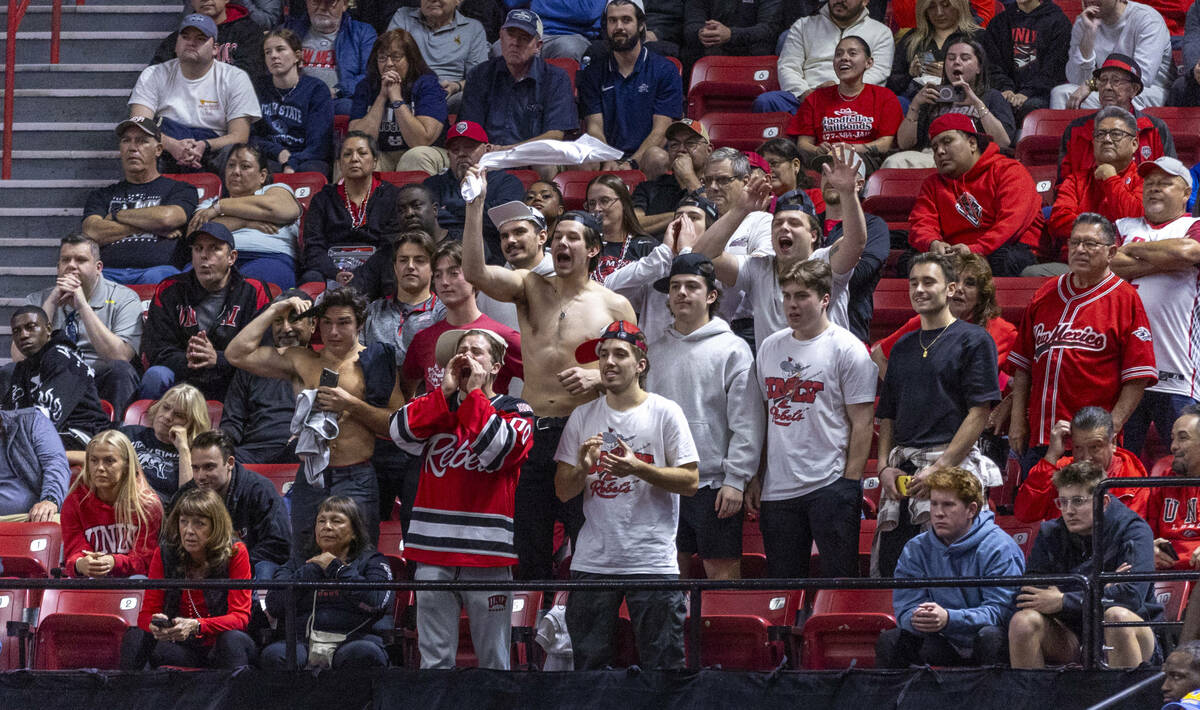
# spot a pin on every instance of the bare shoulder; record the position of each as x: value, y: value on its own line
x: 618, y: 306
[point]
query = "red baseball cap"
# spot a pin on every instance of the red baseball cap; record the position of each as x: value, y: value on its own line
x: 757, y: 161
x: 467, y: 129
x: 589, y: 350
x: 952, y: 122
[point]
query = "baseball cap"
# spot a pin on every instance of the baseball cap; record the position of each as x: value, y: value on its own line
x: 701, y: 202
x: 757, y: 161
x: 467, y: 129
x: 953, y: 122
x: 217, y: 231
x: 515, y: 210
x: 1191, y: 701
x: 690, y: 264
x: 146, y: 124
x: 636, y: 3
x: 525, y: 20
x: 1170, y: 166
x: 1123, y: 62
x: 688, y: 124
x: 587, y: 219
x: 447, y: 343
x: 204, y: 23
x: 589, y: 350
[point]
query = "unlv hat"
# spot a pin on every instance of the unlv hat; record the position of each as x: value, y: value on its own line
x: 1168, y: 165
x: 467, y: 129
x: 204, y: 23
x: 690, y: 264
x: 691, y: 125
x: 1123, y: 62
x: 525, y: 20
x: 447, y: 343
x: 953, y: 122
x: 216, y: 230
x: 146, y: 124
x: 513, y: 211
x: 589, y: 350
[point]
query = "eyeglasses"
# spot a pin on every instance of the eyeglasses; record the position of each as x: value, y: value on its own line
x: 718, y: 180
x: 394, y: 58
x: 1086, y: 244
x: 686, y: 145
x: 1072, y: 502
x: 1115, y: 81
x: 599, y: 203
x: 1113, y: 135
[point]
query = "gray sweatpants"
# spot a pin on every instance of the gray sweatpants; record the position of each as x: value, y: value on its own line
x: 489, y: 614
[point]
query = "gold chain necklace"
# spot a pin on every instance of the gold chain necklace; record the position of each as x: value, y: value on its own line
x: 921, y: 340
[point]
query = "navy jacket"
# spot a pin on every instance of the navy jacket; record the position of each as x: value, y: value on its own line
x: 353, y: 50
x: 338, y: 612
x: 260, y: 519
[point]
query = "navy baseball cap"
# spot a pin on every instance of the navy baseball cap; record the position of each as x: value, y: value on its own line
x: 589, y: 350
x: 204, y: 23
x: 217, y: 231
x: 525, y: 20
x: 690, y: 264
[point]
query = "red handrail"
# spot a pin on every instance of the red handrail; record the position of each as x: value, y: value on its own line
x: 16, y: 13
x: 55, y: 24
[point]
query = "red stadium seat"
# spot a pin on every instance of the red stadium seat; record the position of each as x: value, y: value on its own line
x: 678, y: 64
x: 208, y: 186
x: 747, y: 630
x: 892, y: 307
x: 83, y: 628
x: 313, y: 288
x: 138, y: 412
x: 1071, y: 8
x: 281, y: 475
x: 1044, y: 177
x: 305, y: 185
x: 843, y: 628
x: 404, y: 177
x: 1023, y: 533
x: 108, y: 409
x: 30, y: 549
x: 891, y: 193
x: 754, y: 558
x: 1173, y: 597
x: 721, y: 83
x: 1041, y: 135
x: 527, y: 177
x: 12, y: 608
x: 573, y: 184
x: 1184, y: 130
x: 391, y: 539
x: 1014, y: 293
x: 744, y: 131
x: 570, y: 66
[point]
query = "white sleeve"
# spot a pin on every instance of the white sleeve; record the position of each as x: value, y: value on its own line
x: 148, y: 89
x: 570, y: 441
x: 791, y: 60
x: 1079, y: 67
x: 240, y: 100
x: 642, y: 272
x: 859, y: 372
x: 883, y: 51
x: 679, y: 447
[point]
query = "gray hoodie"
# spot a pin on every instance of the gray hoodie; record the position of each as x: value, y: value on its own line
x: 707, y: 373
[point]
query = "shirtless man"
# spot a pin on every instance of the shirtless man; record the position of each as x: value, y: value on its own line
x: 556, y: 315
x: 361, y: 414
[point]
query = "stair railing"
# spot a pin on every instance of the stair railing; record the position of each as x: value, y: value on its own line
x: 16, y: 13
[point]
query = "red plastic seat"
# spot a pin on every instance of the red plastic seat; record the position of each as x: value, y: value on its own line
x: 305, y: 185
x: 891, y: 193
x: 12, y: 608
x: 108, y: 409
x: 1023, y: 533
x: 754, y: 557
x: 1014, y: 293
x: 844, y: 626
x: 1173, y: 597
x: 138, y: 412
x: 723, y: 83
x: 573, y: 184
x: 208, y: 186
x: 527, y: 177
x: 570, y: 66
x: 30, y: 549
x: 281, y: 475
x: 744, y: 131
x: 1042, y: 132
x: 1184, y: 130
x: 892, y: 307
x: 312, y: 288
x: 83, y: 628
x: 747, y: 630
x: 1044, y: 177
x: 404, y: 177
x: 391, y: 539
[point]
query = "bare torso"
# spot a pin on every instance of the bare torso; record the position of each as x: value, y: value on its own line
x: 355, y: 442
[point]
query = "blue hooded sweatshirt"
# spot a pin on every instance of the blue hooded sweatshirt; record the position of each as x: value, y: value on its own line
x: 985, y: 551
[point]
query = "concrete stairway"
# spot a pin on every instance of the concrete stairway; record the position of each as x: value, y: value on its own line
x: 63, y: 145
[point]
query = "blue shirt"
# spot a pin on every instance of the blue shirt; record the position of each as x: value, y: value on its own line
x: 424, y: 98
x: 502, y: 187
x: 564, y: 17
x: 628, y: 104
x: 514, y: 111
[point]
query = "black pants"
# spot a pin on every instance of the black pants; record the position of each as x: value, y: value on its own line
x: 828, y: 515
x: 399, y: 476
x: 233, y: 649
x: 116, y: 381
x: 538, y: 507
x: 891, y: 543
x: 897, y: 648
x: 657, y: 619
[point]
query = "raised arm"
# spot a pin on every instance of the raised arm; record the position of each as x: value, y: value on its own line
x: 496, y: 281
x: 755, y: 196
x: 247, y: 352
x: 842, y: 175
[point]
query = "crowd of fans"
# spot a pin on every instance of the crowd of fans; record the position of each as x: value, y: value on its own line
x: 445, y: 367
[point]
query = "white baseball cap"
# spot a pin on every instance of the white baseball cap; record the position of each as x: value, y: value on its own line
x: 1168, y: 165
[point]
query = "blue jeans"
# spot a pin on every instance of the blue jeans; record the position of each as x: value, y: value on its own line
x: 268, y: 267
x: 776, y: 101
x: 151, y: 275
x: 156, y: 381
x: 357, y: 481
x: 1158, y: 408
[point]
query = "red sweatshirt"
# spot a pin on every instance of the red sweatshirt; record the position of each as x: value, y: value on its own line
x: 1118, y: 196
x: 995, y: 203
x: 89, y: 523
x: 1035, y: 498
x: 1172, y: 514
x: 192, y: 605
x: 1078, y: 155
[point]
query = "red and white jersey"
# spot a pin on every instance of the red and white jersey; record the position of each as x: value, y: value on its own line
x: 1080, y: 347
x: 1172, y: 302
x: 1172, y: 514
x: 463, y: 513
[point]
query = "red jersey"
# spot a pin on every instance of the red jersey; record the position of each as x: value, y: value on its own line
x: 89, y: 523
x: 472, y: 456
x: 1035, y: 497
x: 829, y: 117
x: 1172, y: 515
x: 1080, y: 348
x: 421, y: 365
x: 193, y: 606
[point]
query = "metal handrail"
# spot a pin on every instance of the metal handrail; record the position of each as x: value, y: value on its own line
x: 16, y: 13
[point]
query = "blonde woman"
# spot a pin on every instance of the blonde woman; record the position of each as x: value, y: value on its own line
x: 111, y: 517
x: 920, y: 53
x: 163, y: 447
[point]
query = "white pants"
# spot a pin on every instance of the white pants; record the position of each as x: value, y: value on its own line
x: 1150, y: 96
x: 489, y: 614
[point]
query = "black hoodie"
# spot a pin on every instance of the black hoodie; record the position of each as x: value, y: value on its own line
x: 259, y: 517
x: 239, y: 42
x: 57, y: 382
x: 1028, y: 51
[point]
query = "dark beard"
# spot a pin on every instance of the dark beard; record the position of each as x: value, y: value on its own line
x: 623, y: 45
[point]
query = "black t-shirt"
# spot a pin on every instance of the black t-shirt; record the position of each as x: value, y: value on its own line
x: 658, y: 196
x: 928, y: 396
x: 140, y: 251
x: 159, y: 461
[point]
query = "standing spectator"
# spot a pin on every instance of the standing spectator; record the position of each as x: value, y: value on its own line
x: 726, y: 28
x: 519, y: 97
x: 411, y: 298
x: 1185, y: 91
x: 1160, y: 256
x: 806, y: 60
x: 1171, y: 509
x: 818, y: 383
x: 163, y: 448
x: 1027, y: 53
x: 1108, y: 27
x: 296, y: 130
x: 401, y: 106
x: 336, y: 48
x: 451, y: 43
x: 688, y: 148
x: 138, y: 221
x: 921, y: 53
x: 629, y: 97
x: 523, y: 235
x: 33, y: 467
x: 239, y: 37
x: 204, y: 106
x: 624, y: 240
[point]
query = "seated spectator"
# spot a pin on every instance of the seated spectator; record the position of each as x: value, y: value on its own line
x: 624, y: 240
x: 742, y: 29
x: 966, y: 75
x: 451, y: 43
x: 545, y: 196
x: 296, y: 130
x: 1027, y: 47
x: 664, y: 25
x: 401, y: 106
x: 257, y: 416
x: 111, y: 517
x: 356, y: 211
x: 53, y: 379
x: 102, y: 319
x: 33, y: 468
x: 1094, y: 440
x: 196, y: 140
x: 239, y: 37
x: 409, y: 298
x: 688, y: 148
x: 260, y: 519
x: 1131, y: 29
x: 1112, y: 187
x: 138, y: 221
x: 953, y: 626
x: 629, y: 97
x: 921, y: 53
x: 979, y: 201
x: 193, y: 627
x: 341, y: 551
x: 571, y: 25
x: 862, y: 116
x: 1047, y: 626
x: 518, y: 96
x: 263, y: 216
x: 1118, y: 81
x: 1185, y: 91
x: 265, y: 13
x: 466, y: 142
x: 418, y: 212
x: 194, y: 316
x: 336, y: 48
x: 806, y: 60
x: 1182, y: 671
x: 905, y: 13
x: 1169, y: 509
x: 164, y: 447
x: 789, y: 180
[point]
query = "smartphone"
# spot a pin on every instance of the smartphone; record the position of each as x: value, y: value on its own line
x: 902, y: 484
x: 161, y: 623
x: 1169, y: 550
x: 329, y: 378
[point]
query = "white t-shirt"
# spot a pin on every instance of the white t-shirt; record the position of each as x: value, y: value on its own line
x: 807, y: 385
x: 254, y: 240
x: 630, y: 525
x: 751, y: 238
x: 212, y: 101
x: 756, y: 276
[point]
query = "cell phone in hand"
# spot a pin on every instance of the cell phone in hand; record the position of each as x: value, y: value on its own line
x: 1168, y: 549
x: 161, y: 622
x: 329, y: 378
x: 902, y: 484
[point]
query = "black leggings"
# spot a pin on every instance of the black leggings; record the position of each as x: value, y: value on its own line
x: 233, y: 649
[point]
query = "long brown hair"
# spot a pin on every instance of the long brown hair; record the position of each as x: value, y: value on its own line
x: 974, y: 266
x: 202, y: 503
x: 402, y: 40
x: 629, y: 220
x: 135, y: 499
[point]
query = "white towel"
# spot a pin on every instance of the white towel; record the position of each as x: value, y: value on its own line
x: 554, y: 639
x: 313, y: 429
x: 586, y: 149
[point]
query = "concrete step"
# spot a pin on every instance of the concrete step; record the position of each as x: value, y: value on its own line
x: 63, y: 136
x: 65, y: 164
x: 80, y: 47
x: 30, y: 251
x: 75, y: 76
x: 24, y: 225
x: 20, y: 280
x: 111, y: 18
x: 51, y: 193
x: 45, y: 105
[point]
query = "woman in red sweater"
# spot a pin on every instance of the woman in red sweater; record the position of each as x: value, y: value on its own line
x: 111, y: 516
x: 191, y: 627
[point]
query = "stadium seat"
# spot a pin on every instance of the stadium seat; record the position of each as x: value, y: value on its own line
x: 108, y: 409
x: 404, y: 177
x: 573, y: 184
x: 892, y: 307
x: 137, y: 414
x: 30, y: 549
x: 527, y: 177
x: 208, y: 186
x: 12, y: 608
x: 1044, y: 177
x: 1014, y: 293
x: 1184, y: 130
x: 843, y: 628
x: 281, y: 475
x: 754, y: 558
x: 145, y: 292
x: 83, y: 628
x: 570, y: 66
x: 313, y: 288
x: 526, y: 606
x: 391, y: 539
x: 305, y: 185
x: 1023, y: 533
x: 744, y: 131
x: 891, y: 193
x: 1173, y: 597
x: 1042, y: 132
x: 724, y: 83
x: 747, y: 630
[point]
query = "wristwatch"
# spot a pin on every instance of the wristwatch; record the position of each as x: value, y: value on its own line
x: 395, y: 105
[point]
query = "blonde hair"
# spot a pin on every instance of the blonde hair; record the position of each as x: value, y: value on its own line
x: 190, y: 401
x: 923, y: 32
x: 202, y: 503
x: 135, y: 499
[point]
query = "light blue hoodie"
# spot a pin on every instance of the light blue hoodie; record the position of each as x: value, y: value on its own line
x: 985, y: 551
